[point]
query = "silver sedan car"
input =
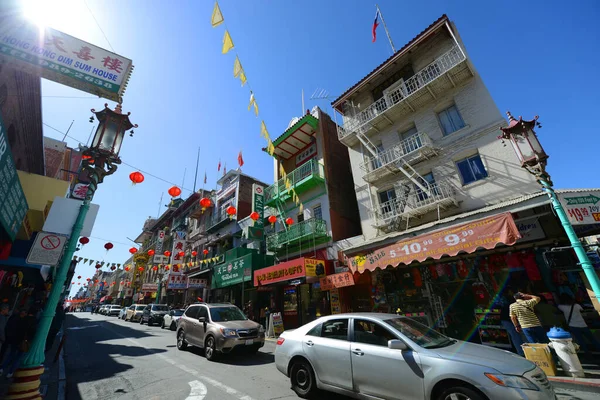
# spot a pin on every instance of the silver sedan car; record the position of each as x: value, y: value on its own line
x: 384, y: 356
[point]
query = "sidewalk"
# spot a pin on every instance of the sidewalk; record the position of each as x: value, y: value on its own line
x: 53, y: 379
x: 591, y: 382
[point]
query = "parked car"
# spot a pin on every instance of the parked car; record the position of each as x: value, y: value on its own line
x: 134, y: 312
x: 154, y: 314
x: 391, y: 357
x: 170, y: 320
x: 102, y: 310
x: 123, y: 312
x: 218, y: 328
x: 113, y: 310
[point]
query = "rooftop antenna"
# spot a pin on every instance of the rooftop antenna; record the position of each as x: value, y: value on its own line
x: 322, y: 94
x: 159, y: 204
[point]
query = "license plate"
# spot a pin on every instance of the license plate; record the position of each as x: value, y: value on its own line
x: 249, y: 341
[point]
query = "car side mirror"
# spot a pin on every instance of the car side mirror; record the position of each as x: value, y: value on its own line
x: 397, y: 345
x: 202, y: 319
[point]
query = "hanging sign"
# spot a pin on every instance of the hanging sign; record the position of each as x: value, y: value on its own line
x: 158, y: 257
x: 309, y: 152
x: 197, y: 283
x: 61, y: 58
x: 178, y: 246
x: 314, y: 267
x: 581, y: 208
x: 483, y: 233
x: 342, y: 279
x: 258, y: 205
x: 47, y: 249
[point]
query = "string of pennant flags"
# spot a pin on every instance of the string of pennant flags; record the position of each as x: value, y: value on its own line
x: 128, y: 267
x: 239, y: 73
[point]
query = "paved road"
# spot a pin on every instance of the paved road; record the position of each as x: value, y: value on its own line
x: 107, y: 358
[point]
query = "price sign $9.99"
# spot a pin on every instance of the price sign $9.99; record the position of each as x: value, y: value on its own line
x: 452, y: 239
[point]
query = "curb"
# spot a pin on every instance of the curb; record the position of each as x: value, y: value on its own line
x: 574, y: 383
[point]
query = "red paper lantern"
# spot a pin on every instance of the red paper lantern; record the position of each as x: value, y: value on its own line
x: 84, y: 240
x: 254, y: 216
x: 181, y: 253
x: 108, y: 246
x: 136, y: 177
x: 127, y: 268
x: 205, y: 203
x: 78, y: 283
x: 167, y: 253
x: 121, y: 283
x: 155, y: 268
x: 205, y: 252
x: 151, y: 252
x: 79, y: 277
x: 112, y: 268
x: 98, y: 266
x: 88, y: 279
x: 140, y: 269
x: 167, y: 268
x: 133, y: 250
x: 174, y: 191
x: 176, y: 268
x: 194, y: 253
x: 231, y: 211
x: 272, y: 219
x: 72, y: 283
x: 289, y: 221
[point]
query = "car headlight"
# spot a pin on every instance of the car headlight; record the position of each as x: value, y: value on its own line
x: 228, y: 332
x: 511, y: 381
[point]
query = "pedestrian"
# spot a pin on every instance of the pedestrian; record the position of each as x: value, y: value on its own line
x: 4, y: 310
x: 549, y: 315
x: 523, y: 317
x: 19, y: 332
x: 577, y: 325
x: 55, y: 327
x: 516, y: 338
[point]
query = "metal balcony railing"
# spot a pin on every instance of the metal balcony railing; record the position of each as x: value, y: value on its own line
x: 309, y: 228
x: 405, y: 148
x: 417, y: 201
x: 420, y: 80
x: 311, y: 168
x: 220, y: 214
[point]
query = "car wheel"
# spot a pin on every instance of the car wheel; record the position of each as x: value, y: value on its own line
x: 302, y: 378
x: 460, y: 393
x: 210, y: 349
x: 162, y: 326
x: 181, y: 343
x: 149, y: 322
x: 172, y: 327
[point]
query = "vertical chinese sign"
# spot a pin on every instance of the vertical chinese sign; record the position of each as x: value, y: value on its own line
x: 178, y: 247
x: 13, y: 205
x: 158, y: 251
x: 256, y: 232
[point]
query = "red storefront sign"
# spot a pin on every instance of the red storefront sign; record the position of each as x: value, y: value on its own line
x: 342, y: 279
x: 483, y: 233
x: 281, y: 272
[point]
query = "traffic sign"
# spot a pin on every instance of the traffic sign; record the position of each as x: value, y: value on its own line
x: 47, y: 249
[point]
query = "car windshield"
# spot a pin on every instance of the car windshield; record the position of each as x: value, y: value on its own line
x: 116, y: 307
x: 422, y: 335
x: 223, y: 314
x: 140, y: 308
x: 178, y: 313
x: 160, y: 308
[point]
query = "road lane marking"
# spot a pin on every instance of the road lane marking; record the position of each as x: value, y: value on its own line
x: 229, y: 390
x: 198, y: 391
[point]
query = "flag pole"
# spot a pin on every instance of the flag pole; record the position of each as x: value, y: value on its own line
x: 196, y: 174
x: 386, y: 29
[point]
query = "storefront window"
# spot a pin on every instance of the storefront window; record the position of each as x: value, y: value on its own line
x: 290, y: 301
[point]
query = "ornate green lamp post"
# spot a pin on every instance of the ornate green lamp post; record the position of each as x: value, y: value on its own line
x: 98, y: 161
x: 533, y: 158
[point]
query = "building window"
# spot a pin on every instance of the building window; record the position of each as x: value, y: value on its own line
x: 300, y: 217
x: 471, y: 169
x: 318, y: 212
x: 450, y: 120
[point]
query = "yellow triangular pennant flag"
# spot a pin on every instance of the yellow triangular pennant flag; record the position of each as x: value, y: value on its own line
x: 270, y: 148
x: 252, y: 101
x: 237, y: 67
x: 282, y: 171
x: 263, y: 130
x: 227, y: 43
x: 85, y: 260
x: 118, y: 265
x: 217, y: 16
x: 102, y: 263
x: 243, y: 77
x: 301, y: 207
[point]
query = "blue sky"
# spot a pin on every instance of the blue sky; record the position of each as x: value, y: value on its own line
x: 536, y: 57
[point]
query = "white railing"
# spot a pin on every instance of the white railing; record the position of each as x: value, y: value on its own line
x: 392, y: 155
x: 438, y: 67
x: 415, y: 200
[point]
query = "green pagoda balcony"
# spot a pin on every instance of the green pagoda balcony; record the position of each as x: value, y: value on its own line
x: 303, y: 234
x: 302, y: 179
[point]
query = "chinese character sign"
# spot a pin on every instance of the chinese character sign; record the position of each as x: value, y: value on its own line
x: 340, y: 280
x: 179, y: 245
x: 581, y: 208
x: 197, y: 283
x: 258, y: 204
x: 306, y: 154
x: 177, y: 282
x: 63, y: 58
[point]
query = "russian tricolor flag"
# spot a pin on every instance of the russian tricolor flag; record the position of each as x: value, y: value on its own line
x: 375, y: 25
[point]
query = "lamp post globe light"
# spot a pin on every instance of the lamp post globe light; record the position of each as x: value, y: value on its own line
x: 98, y: 161
x: 533, y: 158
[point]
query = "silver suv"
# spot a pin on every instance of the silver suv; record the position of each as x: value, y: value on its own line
x: 218, y: 328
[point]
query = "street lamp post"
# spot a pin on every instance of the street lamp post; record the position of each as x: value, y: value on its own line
x: 533, y: 158
x: 98, y: 161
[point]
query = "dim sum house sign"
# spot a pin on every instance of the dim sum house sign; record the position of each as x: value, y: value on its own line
x: 286, y: 271
x: 483, y: 233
